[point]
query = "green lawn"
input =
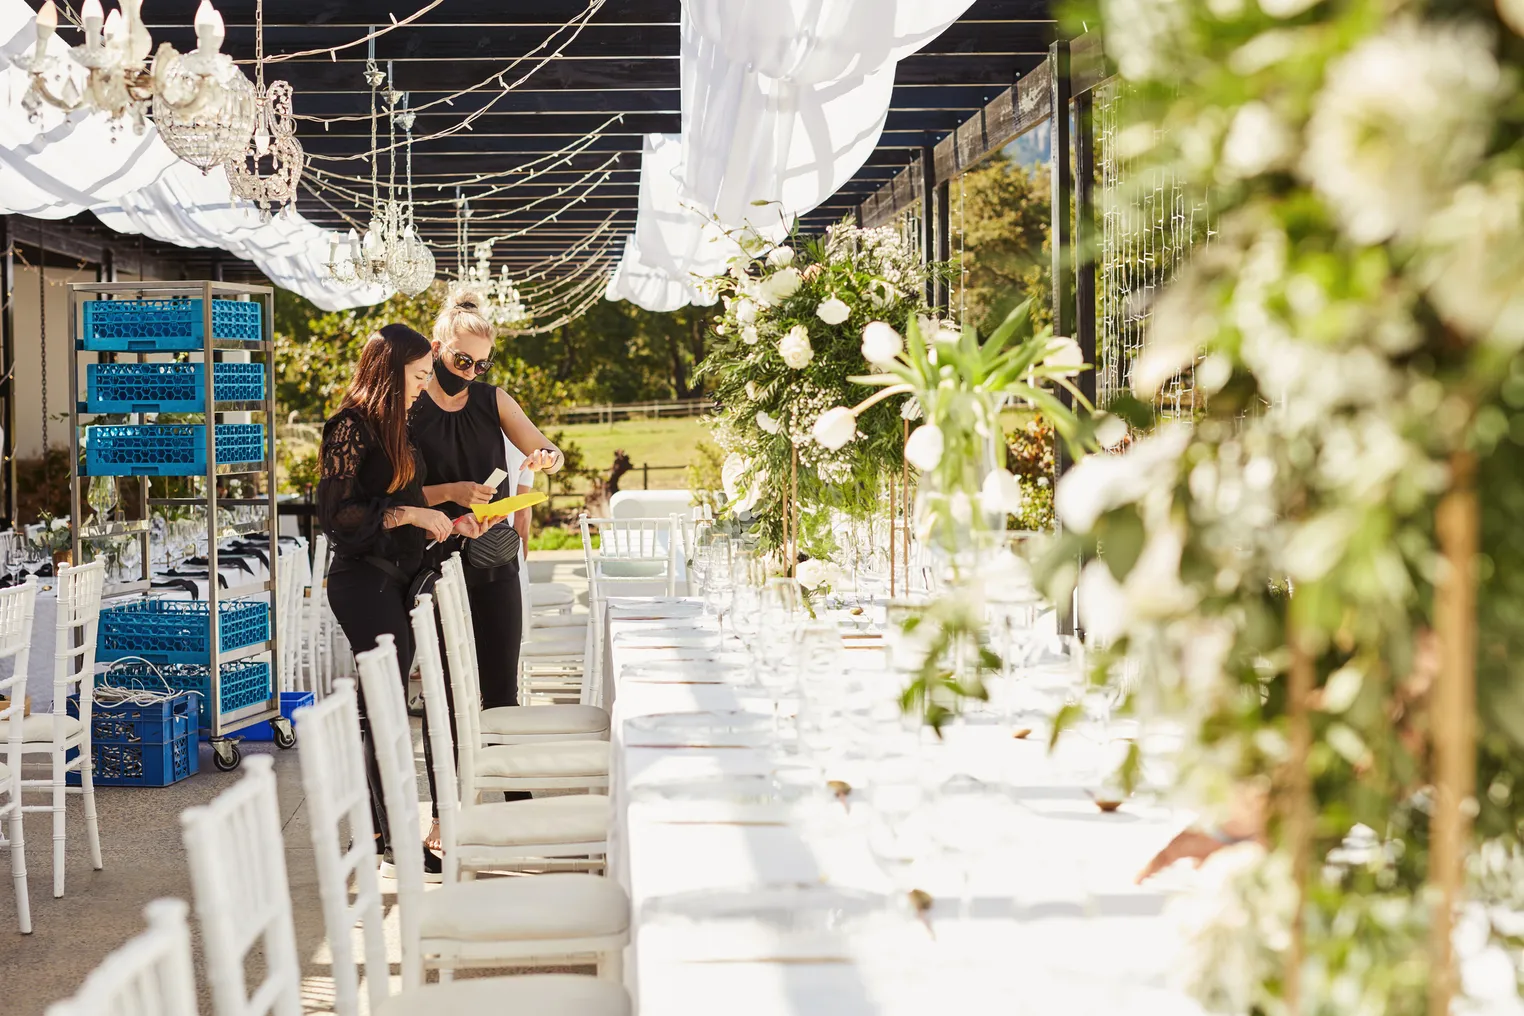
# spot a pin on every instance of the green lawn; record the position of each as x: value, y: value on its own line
x: 669, y: 442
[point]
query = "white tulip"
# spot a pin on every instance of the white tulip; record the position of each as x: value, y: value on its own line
x: 1001, y: 492
x: 1110, y: 431
x: 767, y: 423
x: 924, y: 449
x: 749, y: 335
x: 881, y: 343
x: 833, y: 311
x: 746, y: 311
x: 1065, y: 353
x: 795, y: 347
x: 781, y: 257
x: 835, y: 428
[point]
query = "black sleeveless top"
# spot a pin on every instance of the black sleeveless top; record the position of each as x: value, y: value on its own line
x: 466, y: 444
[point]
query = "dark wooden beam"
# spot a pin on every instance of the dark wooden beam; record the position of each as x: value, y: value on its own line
x: 1012, y: 113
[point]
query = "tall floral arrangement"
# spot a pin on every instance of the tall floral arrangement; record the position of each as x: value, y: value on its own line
x: 789, y: 341
x: 1292, y: 573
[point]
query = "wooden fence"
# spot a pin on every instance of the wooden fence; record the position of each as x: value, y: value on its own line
x: 611, y: 412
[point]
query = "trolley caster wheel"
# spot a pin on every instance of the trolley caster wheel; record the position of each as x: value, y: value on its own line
x: 285, y: 734
x: 226, y: 756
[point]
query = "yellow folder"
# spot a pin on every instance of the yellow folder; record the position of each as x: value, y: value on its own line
x: 507, y: 506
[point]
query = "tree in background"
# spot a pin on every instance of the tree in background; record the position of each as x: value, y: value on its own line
x: 1000, y: 224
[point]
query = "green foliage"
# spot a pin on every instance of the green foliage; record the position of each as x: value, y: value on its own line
x: 1353, y: 327
x: 768, y: 406
x: 1001, y: 225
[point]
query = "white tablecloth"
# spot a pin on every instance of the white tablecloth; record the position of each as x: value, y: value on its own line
x: 1057, y: 927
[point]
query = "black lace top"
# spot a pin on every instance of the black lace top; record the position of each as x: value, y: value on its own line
x: 353, y: 498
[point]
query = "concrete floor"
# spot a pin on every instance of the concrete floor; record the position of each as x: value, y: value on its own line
x: 144, y: 860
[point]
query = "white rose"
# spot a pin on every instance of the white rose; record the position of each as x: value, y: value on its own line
x: 1065, y: 353
x: 833, y: 311
x: 795, y: 347
x: 749, y: 335
x: 924, y: 449
x: 781, y: 257
x: 881, y: 343
x: 835, y: 428
x: 812, y: 574
x: 1001, y: 492
x: 779, y: 286
x: 767, y: 423
x: 746, y: 311
x: 58, y: 524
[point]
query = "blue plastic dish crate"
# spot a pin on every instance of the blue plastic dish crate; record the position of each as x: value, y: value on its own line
x: 141, y: 746
x: 168, y: 449
x: 149, y: 326
x: 169, y: 387
x: 290, y: 702
x: 179, y: 631
x: 244, y: 683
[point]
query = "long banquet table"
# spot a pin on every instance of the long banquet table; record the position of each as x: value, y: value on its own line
x: 1053, y: 925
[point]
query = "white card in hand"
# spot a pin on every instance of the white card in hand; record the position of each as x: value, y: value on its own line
x: 496, y: 479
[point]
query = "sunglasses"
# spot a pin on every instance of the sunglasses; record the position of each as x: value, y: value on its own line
x: 463, y: 362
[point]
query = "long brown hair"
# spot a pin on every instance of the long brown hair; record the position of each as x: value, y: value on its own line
x: 379, y: 392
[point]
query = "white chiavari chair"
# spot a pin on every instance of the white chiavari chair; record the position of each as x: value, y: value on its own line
x: 17, y: 606
x: 544, y: 763
x: 635, y: 556
x: 317, y: 641
x: 57, y: 733
x: 496, y: 836
x: 243, y: 901
x: 496, y: 922
x: 152, y: 975
x: 524, y: 723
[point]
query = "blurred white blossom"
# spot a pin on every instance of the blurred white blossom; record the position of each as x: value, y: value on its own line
x: 795, y: 347
x: 1400, y: 121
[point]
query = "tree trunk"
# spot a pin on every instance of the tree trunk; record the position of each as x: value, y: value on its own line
x: 679, y: 367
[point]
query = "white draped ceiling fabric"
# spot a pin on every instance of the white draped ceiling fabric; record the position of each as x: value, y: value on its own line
x: 782, y: 103
x: 66, y: 164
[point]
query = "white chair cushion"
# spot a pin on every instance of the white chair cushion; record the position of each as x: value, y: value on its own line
x: 552, y: 621
x: 617, y: 569
x: 563, y: 646
x: 527, y: 994
x: 544, y: 907
x: 551, y: 594
x: 557, y: 759
x: 572, y: 818
x: 39, y: 728
x: 545, y: 720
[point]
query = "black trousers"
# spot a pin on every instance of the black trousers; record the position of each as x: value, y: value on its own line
x: 368, y: 603
x: 497, y: 616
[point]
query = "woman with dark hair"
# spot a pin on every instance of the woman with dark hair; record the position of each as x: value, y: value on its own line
x: 372, y: 508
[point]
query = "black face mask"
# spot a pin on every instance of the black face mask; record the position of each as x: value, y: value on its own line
x: 451, y: 382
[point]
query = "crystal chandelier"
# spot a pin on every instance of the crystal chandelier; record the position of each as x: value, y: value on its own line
x: 274, y: 136
x: 391, y: 253
x: 108, y: 72
x: 203, y: 105
x: 504, y: 307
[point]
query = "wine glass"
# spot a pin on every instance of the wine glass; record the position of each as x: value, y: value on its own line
x: 102, y: 497
x: 719, y: 590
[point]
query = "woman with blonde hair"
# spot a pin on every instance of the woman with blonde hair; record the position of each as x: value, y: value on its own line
x: 458, y: 426
x: 372, y: 507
